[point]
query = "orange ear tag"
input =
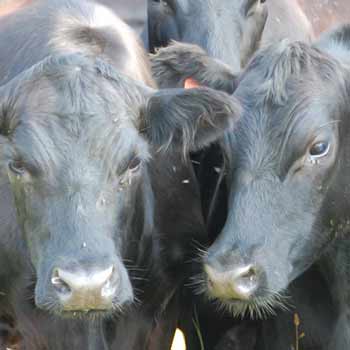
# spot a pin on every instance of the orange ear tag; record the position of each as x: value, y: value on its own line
x: 191, y: 83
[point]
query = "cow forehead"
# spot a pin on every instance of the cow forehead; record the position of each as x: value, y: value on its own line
x: 284, y: 69
x: 50, y: 143
x: 286, y: 109
x: 75, y: 114
x: 76, y: 90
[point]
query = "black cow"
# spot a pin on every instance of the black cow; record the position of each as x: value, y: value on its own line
x: 288, y: 196
x: 266, y: 88
x: 228, y: 30
x: 94, y: 213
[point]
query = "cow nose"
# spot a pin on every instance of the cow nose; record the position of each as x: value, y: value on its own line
x: 85, y: 291
x: 239, y: 283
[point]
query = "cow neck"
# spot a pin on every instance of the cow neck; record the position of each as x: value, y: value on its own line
x: 334, y: 267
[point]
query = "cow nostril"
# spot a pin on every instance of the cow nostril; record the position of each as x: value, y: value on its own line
x: 250, y: 275
x: 85, y: 289
x: 61, y: 286
x: 110, y: 286
x: 241, y: 282
x: 245, y: 281
x: 210, y: 282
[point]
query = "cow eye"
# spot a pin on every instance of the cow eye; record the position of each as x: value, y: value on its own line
x: 135, y: 165
x: 17, y: 167
x: 319, y: 149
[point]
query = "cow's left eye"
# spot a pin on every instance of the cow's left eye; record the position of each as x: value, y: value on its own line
x: 319, y: 149
x: 17, y: 168
x: 135, y: 165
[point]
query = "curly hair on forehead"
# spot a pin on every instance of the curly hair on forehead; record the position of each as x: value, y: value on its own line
x: 277, y: 64
x: 70, y: 101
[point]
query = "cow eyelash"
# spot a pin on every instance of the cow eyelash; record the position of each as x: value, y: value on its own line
x: 17, y: 167
x: 133, y: 168
x: 319, y: 150
x: 134, y: 165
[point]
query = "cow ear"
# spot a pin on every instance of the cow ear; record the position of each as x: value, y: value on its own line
x: 173, y: 65
x: 188, y: 120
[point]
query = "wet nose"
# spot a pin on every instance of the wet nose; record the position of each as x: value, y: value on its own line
x: 85, y: 290
x: 240, y: 283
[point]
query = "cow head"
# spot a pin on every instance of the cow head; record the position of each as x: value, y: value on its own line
x: 228, y: 30
x: 287, y: 164
x: 75, y: 143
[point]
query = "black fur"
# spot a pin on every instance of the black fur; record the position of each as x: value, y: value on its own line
x: 230, y: 31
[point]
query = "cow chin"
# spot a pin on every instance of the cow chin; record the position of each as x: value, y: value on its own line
x: 256, y: 308
x: 243, y: 293
x: 118, y: 305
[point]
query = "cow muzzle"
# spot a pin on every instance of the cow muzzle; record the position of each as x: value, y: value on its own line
x: 238, y: 283
x: 84, y: 290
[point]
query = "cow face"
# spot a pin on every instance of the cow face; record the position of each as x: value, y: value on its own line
x: 75, y: 142
x: 286, y: 171
x: 228, y: 30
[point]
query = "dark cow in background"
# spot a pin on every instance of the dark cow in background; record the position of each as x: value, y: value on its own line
x: 228, y: 30
x: 133, y: 12
x: 94, y: 215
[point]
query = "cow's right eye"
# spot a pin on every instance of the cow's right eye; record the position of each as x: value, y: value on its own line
x: 319, y: 149
x: 135, y: 165
x: 17, y: 167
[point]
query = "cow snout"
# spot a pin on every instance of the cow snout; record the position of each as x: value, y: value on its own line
x: 85, y: 290
x: 239, y: 283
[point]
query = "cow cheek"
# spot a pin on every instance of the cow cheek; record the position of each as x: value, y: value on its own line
x: 29, y: 223
x: 19, y: 194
